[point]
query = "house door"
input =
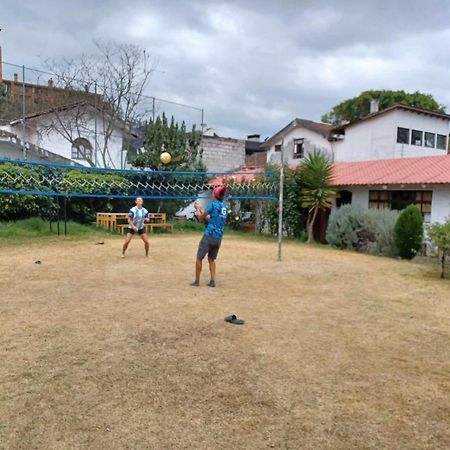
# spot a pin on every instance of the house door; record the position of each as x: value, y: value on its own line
x: 321, y: 224
x: 343, y: 198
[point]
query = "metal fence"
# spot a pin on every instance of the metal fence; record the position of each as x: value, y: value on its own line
x: 29, y: 90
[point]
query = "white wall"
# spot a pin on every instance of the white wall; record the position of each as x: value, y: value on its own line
x: 312, y: 140
x: 377, y: 138
x: 56, y: 143
x: 440, y: 206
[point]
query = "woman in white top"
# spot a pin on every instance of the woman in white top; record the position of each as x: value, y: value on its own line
x: 137, y: 216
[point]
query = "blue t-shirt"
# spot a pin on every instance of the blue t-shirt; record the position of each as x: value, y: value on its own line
x: 218, y: 215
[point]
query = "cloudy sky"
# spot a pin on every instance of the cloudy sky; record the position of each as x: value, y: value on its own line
x: 252, y: 65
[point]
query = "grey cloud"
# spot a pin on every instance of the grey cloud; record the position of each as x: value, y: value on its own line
x: 252, y: 65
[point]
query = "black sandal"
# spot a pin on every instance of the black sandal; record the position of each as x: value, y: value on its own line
x: 234, y: 319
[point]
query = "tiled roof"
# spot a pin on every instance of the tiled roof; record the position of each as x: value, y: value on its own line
x: 241, y: 175
x: 420, y: 170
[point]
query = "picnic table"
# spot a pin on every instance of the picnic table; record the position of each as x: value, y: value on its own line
x: 110, y: 220
x: 119, y: 222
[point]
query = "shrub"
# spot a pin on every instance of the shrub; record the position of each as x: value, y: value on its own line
x: 294, y: 216
x: 366, y: 230
x: 440, y: 237
x: 377, y: 232
x: 18, y: 206
x: 344, y: 226
x: 408, y: 232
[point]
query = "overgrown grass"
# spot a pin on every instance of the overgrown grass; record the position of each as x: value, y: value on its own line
x: 36, y: 227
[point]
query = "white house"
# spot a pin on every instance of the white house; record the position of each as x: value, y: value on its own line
x: 397, y: 183
x: 76, y: 132
x: 396, y: 132
x: 387, y: 159
x: 298, y: 138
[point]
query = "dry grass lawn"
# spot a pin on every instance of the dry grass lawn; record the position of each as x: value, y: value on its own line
x: 339, y: 350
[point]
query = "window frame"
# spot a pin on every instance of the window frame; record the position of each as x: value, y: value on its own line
x: 382, y: 199
x: 413, y: 142
x: 445, y: 141
x: 408, y: 137
x: 75, y: 153
x: 301, y: 154
x: 277, y: 148
x: 425, y: 139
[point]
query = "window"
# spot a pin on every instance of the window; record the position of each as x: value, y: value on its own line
x: 416, y: 137
x: 81, y: 149
x: 298, y: 148
x: 278, y: 148
x: 429, y: 139
x: 403, y: 135
x: 441, y: 142
x: 401, y: 199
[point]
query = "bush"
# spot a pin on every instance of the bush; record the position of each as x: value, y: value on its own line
x: 408, y: 232
x: 366, y: 230
x: 440, y: 237
x: 377, y: 232
x: 344, y: 226
x: 294, y: 216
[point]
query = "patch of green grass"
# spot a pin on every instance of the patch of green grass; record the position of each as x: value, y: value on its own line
x: 188, y: 226
x: 36, y: 227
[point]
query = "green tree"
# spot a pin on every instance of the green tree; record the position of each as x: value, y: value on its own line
x: 440, y: 237
x: 359, y: 106
x: 408, y: 232
x: 2, y: 93
x: 294, y: 217
x: 317, y: 192
x: 160, y: 136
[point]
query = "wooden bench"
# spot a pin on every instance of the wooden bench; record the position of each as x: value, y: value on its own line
x: 157, y: 220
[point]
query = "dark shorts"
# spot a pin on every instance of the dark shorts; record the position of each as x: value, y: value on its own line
x: 208, y: 245
x: 131, y: 231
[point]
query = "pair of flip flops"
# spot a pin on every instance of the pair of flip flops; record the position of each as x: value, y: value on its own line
x: 233, y: 319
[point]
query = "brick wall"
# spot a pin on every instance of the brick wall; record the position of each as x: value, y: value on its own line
x: 223, y: 154
x: 256, y: 159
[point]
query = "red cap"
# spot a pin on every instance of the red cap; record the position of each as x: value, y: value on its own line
x: 219, y: 192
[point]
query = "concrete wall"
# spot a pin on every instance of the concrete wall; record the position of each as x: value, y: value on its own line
x: 312, y: 141
x: 12, y: 149
x: 377, y: 138
x: 223, y: 154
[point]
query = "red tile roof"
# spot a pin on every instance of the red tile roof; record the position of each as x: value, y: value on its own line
x: 420, y: 170
x: 243, y: 175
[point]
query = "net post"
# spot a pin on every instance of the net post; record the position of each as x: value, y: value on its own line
x: 280, y: 204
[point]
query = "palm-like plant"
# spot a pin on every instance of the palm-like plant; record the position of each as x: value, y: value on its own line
x: 317, y: 192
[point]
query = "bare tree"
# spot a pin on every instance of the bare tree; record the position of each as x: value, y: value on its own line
x: 101, y: 97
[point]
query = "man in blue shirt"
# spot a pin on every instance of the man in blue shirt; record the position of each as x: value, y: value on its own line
x: 216, y: 215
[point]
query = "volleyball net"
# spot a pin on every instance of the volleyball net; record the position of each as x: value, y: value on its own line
x: 60, y: 180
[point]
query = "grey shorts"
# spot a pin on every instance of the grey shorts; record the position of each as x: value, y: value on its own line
x: 208, y: 245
